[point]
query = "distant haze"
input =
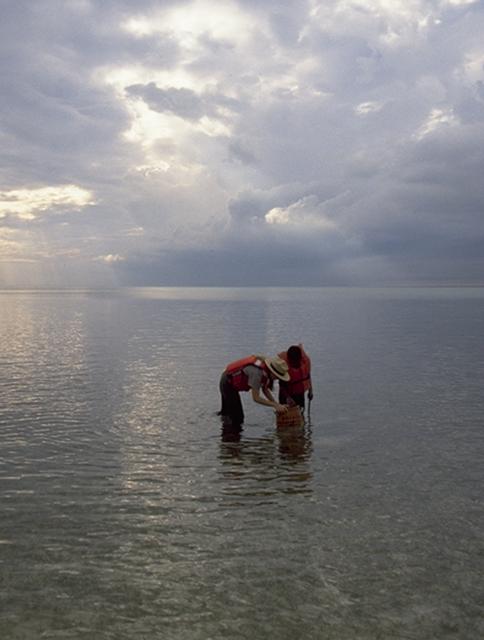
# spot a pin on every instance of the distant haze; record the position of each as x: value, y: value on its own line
x: 241, y: 142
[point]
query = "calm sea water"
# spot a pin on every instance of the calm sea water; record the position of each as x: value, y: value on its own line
x: 126, y: 513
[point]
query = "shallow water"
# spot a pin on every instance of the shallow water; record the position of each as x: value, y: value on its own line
x: 127, y: 513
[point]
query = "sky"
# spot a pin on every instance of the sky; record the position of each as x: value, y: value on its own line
x: 241, y: 143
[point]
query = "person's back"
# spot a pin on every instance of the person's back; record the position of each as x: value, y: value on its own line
x: 299, y: 366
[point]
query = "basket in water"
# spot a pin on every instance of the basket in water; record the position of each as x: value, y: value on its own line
x: 292, y: 418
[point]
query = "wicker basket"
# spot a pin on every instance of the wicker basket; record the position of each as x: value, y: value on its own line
x: 292, y: 418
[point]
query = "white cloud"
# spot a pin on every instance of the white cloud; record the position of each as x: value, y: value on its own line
x: 389, y: 23
x: 110, y: 258
x: 218, y: 19
x: 28, y: 204
x: 306, y: 212
x: 436, y: 119
x: 365, y: 108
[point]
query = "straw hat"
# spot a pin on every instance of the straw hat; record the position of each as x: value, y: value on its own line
x: 279, y: 368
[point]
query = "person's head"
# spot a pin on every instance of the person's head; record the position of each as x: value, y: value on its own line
x: 277, y: 368
x: 294, y: 356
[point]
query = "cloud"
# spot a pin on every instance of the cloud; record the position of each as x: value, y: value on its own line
x: 306, y: 212
x: 242, y: 142
x: 110, y: 258
x: 437, y: 118
x: 365, y: 108
x: 28, y: 204
x: 181, y: 102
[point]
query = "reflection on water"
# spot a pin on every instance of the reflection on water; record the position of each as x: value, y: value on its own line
x: 278, y: 462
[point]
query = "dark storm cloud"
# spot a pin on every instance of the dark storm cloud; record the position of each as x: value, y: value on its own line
x: 239, y: 153
x: 181, y: 102
x: 184, y: 103
x: 437, y: 205
x: 228, y: 266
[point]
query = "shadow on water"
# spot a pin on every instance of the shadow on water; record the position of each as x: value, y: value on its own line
x: 272, y: 463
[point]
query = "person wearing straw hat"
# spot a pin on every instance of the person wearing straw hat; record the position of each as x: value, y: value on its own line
x: 255, y: 373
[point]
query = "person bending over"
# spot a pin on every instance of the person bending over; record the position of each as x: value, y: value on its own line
x: 255, y: 374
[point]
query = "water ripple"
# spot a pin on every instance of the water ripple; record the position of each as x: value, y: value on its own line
x: 127, y: 512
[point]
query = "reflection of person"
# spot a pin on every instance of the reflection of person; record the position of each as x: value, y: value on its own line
x: 277, y: 462
x: 255, y: 374
x: 294, y: 444
x: 299, y: 367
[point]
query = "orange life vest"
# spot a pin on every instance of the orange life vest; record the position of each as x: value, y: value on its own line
x: 238, y: 378
x: 300, y: 377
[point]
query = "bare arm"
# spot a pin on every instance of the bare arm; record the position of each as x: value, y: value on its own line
x: 269, y: 402
x: 268, y: 394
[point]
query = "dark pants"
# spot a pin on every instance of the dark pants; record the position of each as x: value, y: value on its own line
x: 297, y: 397
x: 231, y: 411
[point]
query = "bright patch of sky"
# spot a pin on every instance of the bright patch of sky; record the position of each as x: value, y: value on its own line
x: 29, y: 204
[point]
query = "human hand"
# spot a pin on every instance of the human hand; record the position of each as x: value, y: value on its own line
x: 281, y: 408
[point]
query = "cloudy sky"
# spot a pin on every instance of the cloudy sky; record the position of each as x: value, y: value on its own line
x: 241, y: 142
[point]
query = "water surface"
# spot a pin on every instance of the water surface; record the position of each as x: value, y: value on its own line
x: 127, y: 513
